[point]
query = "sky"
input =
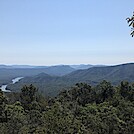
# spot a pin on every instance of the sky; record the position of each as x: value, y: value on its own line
x: 51, y: 32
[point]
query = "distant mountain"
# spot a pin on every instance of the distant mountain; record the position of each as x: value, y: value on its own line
x: 8, y: 73
x: 5, y: 66
x: 81, y: 66
x: 21, y: 66
x: 52, y: 70
x: 59, y: 70
x: 114, y: 74
x: 85, y: 66
x: 51, y: 85
x: 77, y: 67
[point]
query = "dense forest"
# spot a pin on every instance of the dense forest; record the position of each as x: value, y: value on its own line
x: 82, y: 109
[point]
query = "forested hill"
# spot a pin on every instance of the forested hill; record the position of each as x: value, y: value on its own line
x: 51, y: 85
x: 114, y: 74
x: 7, y: 73
x: 52, y: 70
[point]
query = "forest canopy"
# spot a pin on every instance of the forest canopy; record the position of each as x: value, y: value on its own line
x: 83, y: 109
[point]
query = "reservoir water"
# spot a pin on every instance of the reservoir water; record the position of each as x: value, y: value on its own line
x: 16, y: 80
x: 3, y: 87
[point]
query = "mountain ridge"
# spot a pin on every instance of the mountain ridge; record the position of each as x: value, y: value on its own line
x: 53, y: 84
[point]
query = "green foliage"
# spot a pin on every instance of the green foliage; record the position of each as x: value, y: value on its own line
x: 103, y: 91
x: 28, y: 96
x: 16, y: 117
x: 127, y: 90
x: 3, y: 101
x: 103, y: 109
x: 131, y: 24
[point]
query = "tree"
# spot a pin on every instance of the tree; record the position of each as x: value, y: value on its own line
x: 127, y: 90
x: 3, y: 112
x: 28, y: 96
x: 17, y: 118
x: 103, y: 91
x: 131, y: 24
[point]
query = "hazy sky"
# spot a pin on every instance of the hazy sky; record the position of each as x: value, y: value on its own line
x: 48, y: 32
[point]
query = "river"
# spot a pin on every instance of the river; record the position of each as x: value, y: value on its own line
x: 3, y: 87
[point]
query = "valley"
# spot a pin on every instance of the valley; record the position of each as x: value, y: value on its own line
x: 50, y: 84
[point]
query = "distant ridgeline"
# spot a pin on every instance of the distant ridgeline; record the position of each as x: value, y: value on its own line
x: 50, y: 85
x: 7, y: 73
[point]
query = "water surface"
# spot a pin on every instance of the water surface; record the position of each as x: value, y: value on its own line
x: 4, y: 87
